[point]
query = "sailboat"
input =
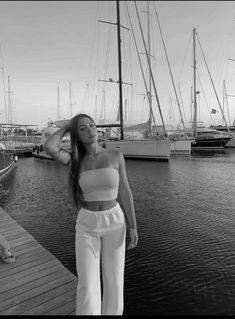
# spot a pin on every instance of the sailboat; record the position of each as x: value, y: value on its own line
x: 7, y: 161
x: 8, y: 157
x: 225, y: 128
x: 50, y: 129
x: 156, y: 146
x: 181, y: 145
x: 203, y: 138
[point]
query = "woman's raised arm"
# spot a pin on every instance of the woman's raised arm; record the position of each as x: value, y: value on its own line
x: 52, y: 145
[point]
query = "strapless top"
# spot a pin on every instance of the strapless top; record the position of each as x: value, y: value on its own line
x: 100, y: 184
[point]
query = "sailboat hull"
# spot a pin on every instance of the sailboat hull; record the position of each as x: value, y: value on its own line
x: 6, y: 163
x: 222, y: 128
x: 181, y: 147
x: 213, y: 143
x: 231, y: 143
x: 145, y: 149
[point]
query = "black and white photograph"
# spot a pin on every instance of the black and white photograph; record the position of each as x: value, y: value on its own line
x: 117, y: 156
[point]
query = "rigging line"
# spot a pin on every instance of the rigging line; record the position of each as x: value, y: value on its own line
x: 113, y: 97
x: 102, y: 101
x: 155, y: 91
x: 153, y: 62
x: 203, y: 92
x: 99, y: 102
x: 186, y: 53
x: 90, y: 59
x: 129, y: 45
x: 107, y: 53
x: 213, y: 84
x: 230, y: 75
x: 97, y: 48
x: 232, y: 50
x: 182, y: 102
x: 4, y: 95
x: 145, y: 84
x: 130, y: 63
x: 108, y: 43
x: 4, y: 86
x: 171, y: 111
x: 126, y: 61
x: 168, y: 63
x: 226, y: 99
x: 93, y: 42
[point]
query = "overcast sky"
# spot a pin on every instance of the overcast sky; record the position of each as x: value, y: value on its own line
x: 48, y: 44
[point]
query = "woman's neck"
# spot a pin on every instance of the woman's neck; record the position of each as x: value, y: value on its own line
x: 93, y: 150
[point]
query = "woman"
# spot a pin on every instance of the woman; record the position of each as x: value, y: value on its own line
x: 97, y: 177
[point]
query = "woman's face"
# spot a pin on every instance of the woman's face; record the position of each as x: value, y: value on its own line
x: 87, y: 131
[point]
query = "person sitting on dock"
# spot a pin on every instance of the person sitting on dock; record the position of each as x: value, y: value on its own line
x: 97, y: 177
x: 5, y: 252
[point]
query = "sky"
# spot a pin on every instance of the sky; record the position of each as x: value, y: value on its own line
x: 48, y: 47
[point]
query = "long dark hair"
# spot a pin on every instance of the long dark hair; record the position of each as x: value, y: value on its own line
x: 78, y: 151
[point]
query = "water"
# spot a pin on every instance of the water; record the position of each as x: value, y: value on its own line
x: 185, y: 209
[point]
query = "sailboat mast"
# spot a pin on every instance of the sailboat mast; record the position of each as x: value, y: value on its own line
x: 58, y: 103
x: 194, y: 85
x: 149, y: 92
x: 9, y: 102
x: 119, y: 68
x: 10, y: 112
x: 70, y: 99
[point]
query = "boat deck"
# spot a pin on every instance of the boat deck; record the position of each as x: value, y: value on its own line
x: 36, y: 283
x: 42, y: 155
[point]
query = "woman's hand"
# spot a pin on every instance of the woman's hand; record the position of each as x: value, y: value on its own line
x: 133, y: 237
x: 68, y: 126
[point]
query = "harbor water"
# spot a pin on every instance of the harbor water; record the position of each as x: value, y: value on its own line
x: 184, y: 263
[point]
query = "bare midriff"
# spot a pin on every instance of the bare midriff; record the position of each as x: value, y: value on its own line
x: 99, y: 205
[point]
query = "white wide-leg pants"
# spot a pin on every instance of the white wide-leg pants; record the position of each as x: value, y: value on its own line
x: 100, y: 241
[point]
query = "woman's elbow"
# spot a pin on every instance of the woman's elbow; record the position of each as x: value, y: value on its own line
x: 48, y: 148
x: 125, y: 194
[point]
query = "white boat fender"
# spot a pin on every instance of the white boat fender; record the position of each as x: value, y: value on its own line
x: 15, y: 158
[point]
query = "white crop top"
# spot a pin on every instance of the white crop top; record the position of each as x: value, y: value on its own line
x: 99, y: 184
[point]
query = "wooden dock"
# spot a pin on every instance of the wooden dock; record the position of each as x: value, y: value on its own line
x: 36, y: 283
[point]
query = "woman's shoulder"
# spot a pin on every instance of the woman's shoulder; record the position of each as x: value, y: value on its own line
x: 116, y: 154
x: 113, y: 157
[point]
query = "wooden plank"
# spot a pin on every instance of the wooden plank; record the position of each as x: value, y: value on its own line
x: 24, y: 267
x: 27, y: 272
x: 10, y: 237
x: 53, y: 304
x: 23, y: 246
x: 22, y: 260
x: 32, y: 284
x: 8, y: 227
x: 20, y: 241
x: 36, y: 283
x: 65, y: 309
x: 36, y: 291
x: 45, y: 302
x: 6, y: 222
x: 18, y: 233
x: 8, y: 233
x: 4, y: 215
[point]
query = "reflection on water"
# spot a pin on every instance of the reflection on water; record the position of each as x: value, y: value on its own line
x: 211, y: 153
x: 185, y: 260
